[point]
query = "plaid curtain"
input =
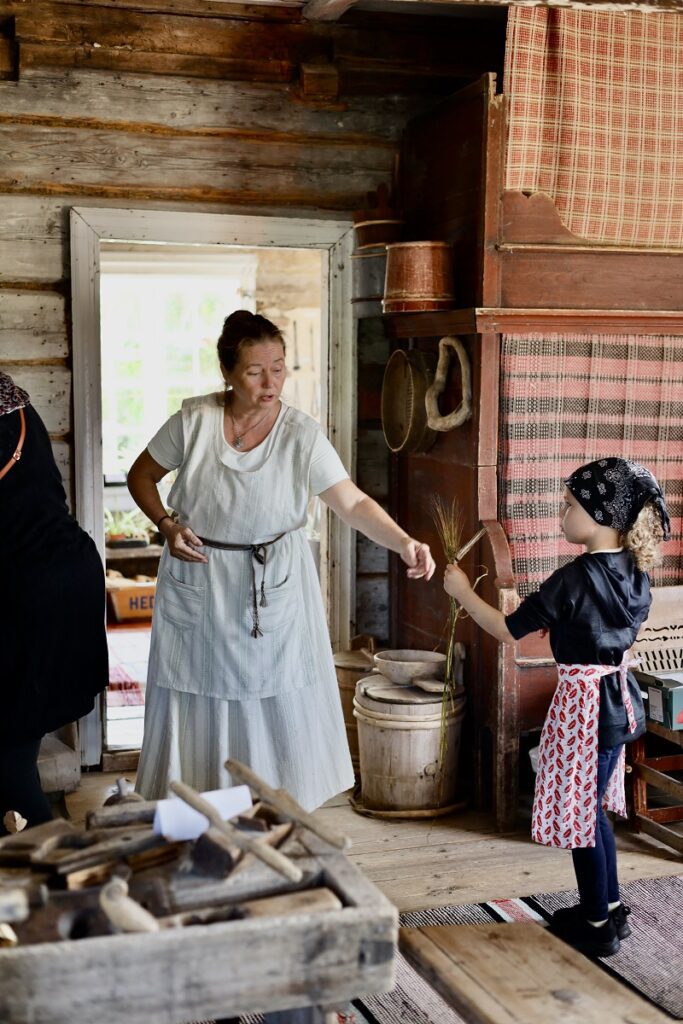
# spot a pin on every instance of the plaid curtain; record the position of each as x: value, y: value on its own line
x: 569, y: 399
x: 596, y: 120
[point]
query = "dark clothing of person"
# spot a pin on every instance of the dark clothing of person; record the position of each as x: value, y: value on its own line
x: 52, y: 599
x: 20, y: 784
x: 595, y: 867
x: 593, y: 608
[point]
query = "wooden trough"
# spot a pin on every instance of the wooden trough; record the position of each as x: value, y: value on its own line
x: 245, y: 939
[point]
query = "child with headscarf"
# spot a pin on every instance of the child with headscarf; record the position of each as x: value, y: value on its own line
x: 592, y: 609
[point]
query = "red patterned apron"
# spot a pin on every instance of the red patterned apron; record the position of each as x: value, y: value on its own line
x: 565, y: 800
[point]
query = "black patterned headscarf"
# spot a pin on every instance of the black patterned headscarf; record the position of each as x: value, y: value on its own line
x: 614, y: 491
x: 12, y: 397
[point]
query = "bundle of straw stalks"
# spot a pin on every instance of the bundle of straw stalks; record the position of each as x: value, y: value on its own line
x: 449, y: 520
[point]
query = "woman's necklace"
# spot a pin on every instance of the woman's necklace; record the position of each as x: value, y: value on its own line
x: 239, y: 438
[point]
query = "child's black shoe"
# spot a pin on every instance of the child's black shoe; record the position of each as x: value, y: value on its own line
x: 571, y: 925
x: 620, y: 917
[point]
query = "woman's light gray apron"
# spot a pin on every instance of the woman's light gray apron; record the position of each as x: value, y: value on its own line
x: 214, y: 689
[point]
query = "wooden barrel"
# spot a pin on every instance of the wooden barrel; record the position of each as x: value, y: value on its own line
x: 399, y: 740
x: 419, y: 277
x: 377, y: 231
x: 351, y: 666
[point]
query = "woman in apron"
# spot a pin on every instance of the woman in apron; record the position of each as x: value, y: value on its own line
x: 240, y: 661
x: 592, y: 609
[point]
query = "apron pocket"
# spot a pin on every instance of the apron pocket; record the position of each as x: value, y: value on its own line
x: 281, y: 609
x: 180, y: 635
x: 181, y: 603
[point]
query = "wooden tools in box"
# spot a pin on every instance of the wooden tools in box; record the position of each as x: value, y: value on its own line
x: 257, y: 914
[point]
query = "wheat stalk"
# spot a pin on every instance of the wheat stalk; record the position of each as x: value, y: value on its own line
x: 449, y: 522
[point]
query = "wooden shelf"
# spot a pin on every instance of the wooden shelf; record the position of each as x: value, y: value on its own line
x: 432, y: 324
x: 133, y: 554
x: 485, y: 320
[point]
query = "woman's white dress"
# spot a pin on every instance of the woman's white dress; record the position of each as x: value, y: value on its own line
x: 214, y: 690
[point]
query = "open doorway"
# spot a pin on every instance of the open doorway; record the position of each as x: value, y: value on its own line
x: 161, y: 311
x: 150, y: 292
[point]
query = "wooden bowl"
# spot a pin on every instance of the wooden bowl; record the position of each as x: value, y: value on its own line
x: 407, y: 377
x: 404, y: 666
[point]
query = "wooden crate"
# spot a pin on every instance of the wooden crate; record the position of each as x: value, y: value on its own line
x: 132, y: 601
x: 217, y: 970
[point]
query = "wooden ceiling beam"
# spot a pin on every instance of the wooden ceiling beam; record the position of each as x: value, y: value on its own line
x: 426, y: 58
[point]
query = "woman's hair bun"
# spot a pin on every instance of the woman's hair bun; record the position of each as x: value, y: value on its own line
x: 244, y: 328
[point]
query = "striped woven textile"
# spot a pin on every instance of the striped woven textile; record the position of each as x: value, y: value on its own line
x: 569, y: 399
x: 595, y: 118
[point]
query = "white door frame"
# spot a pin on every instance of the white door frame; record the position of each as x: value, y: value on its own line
x: 91, y: 225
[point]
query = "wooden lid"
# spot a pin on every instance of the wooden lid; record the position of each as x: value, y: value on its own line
x: 431, y: 685
x: 354, y: 660
x: 391, y: 693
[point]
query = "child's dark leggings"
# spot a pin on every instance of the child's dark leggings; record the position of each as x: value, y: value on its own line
x: 596, y: 866
x: 20, y: 784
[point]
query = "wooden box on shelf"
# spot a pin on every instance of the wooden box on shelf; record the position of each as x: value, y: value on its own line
x: 131, y: 599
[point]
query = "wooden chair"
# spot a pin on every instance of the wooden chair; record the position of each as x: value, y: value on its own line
x: 660, y: 649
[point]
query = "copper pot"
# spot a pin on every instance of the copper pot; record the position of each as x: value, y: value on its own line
x: 419, y: 277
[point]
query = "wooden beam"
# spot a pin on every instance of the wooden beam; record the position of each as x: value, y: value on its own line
x: 418, y: 50
x: 326, y: 10
x: 176, y: 104
x: 319, y: 81
x: 85, y: 161
x: 591, y: 321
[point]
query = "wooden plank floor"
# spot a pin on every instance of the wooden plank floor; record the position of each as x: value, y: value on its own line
x: 461, y: 859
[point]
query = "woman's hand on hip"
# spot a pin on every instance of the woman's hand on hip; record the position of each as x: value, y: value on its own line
x: 418, y: 558
x: 182, y: 542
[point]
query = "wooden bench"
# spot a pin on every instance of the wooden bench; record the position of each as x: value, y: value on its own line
x: 520, y: 974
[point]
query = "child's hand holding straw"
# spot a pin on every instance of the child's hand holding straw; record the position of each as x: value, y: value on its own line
x: 456, y: 583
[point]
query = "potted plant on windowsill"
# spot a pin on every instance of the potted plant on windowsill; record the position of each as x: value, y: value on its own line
x: 125, y: 529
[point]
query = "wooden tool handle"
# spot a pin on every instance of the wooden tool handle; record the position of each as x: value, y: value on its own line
x: 273, y: 858
x: 123, y: 912
x: 287, y: 805
x: 470, y: 544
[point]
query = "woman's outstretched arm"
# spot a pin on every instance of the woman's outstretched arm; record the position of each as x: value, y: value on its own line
x: 362, y: 513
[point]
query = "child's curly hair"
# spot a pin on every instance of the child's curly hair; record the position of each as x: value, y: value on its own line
x: 643, y: 538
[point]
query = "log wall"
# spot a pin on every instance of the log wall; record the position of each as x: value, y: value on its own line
x: 191, y: 105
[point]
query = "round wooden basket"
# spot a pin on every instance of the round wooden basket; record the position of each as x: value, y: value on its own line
x: 407, y: 377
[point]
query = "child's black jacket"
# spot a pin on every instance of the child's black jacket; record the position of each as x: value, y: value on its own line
x: 593, y: 608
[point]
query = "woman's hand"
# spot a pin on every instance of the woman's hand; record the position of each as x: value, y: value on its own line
x: 418, y: 558
x: 456, y: 583
x: 182, y: 542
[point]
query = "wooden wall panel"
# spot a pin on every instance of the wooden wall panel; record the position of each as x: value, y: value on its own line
x: 559, y: 278
x: 443, y: 182
x: 372, y: 474
x: 33, y: 327
x: 50, y: 391
x: 31, y: 239
x: 182, y: 105
x: 50, y: 159
x: 372, y: 606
